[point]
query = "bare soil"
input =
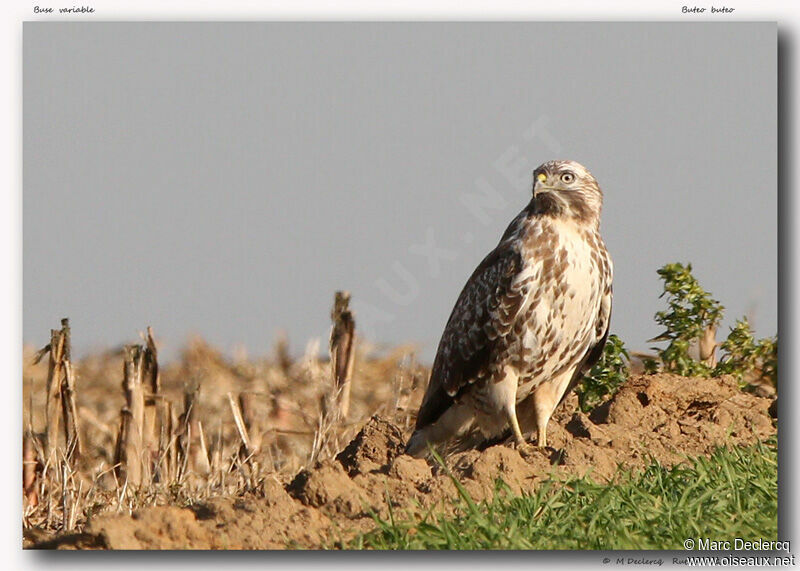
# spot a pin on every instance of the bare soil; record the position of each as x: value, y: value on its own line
x: 653, y: 417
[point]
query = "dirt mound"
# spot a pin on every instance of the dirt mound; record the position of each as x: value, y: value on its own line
x: 373, y: 448
x: 659, y: 417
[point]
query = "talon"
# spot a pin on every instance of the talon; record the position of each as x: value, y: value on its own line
x: 525, y: 449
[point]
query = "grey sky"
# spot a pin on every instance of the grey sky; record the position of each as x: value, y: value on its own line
x: 225, y: 179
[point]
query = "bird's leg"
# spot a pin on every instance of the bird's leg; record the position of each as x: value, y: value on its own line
x: 541, y: 435
x: 506, y: 395
x: 524, y: 448
x: 544, y: 398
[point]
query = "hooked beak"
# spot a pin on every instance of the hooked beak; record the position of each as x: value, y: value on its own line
x: 538, y: 184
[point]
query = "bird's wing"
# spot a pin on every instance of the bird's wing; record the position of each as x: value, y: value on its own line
x: 484, y: 312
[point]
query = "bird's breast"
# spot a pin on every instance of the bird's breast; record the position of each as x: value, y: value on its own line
x: 562, y: 283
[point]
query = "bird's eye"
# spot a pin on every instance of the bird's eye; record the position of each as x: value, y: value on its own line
x: 567, y: 178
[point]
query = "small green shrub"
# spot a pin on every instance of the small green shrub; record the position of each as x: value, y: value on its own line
x: 746, y: 358
x: 607, y: 375
x: 692, y: 313
x: 692, y: 317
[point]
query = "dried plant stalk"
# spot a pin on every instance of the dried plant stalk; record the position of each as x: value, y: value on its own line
x: 150, y: 430
x: 134, y: 393
x: 29, y: 469
x: 341, y: 350
x: 240, y: 427
x: 151, y: 374
x: 184, y: 434
x: 56, y: 349
x: 69, y: 411
x: 243, y: 417
x: 166, y: 462
x: 65, y: 498
x: 255, y: 428
x: 154, y: 419
x: 130, y: 445
x: 65, y: 333
x: 172, y: 440
x: 200, y: 459
x: 127, y: 468
x: 156, y: 432
x: 192, y: 450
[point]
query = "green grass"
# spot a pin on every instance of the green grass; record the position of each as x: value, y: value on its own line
x: 734, y: 493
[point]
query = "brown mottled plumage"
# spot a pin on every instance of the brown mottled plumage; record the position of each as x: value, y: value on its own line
x: 532, y: 318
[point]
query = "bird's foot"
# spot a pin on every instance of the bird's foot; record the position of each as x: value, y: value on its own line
x: 525, y: 449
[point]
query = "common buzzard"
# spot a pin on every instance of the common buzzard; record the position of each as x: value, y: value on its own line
x: 531, y: 320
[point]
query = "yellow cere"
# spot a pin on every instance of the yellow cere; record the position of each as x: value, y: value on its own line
x: 542, y: 177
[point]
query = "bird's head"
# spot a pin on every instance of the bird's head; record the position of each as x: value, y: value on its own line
x: 566, y: 189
